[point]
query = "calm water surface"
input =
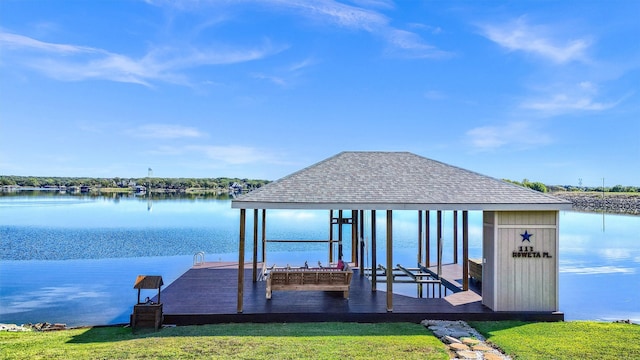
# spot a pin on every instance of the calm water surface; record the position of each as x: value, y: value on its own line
x: 73, y: 259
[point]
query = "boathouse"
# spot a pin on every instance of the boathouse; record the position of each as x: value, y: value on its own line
x: 520, y: 230
x: 516, y: 276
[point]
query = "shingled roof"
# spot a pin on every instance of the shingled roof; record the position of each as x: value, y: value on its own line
x: 393, y: 181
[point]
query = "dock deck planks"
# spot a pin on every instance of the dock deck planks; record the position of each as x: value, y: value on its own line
x: 207, y: 294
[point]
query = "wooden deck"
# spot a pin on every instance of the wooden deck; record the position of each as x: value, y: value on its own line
x: 207, y: 294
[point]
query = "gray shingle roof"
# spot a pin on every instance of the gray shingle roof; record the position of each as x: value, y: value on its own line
x: 393, y: 181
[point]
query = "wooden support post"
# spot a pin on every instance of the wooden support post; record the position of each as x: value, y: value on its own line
x: 255, y: 246
x: 389, y: 260
x: 419, y: 237
x: 439, y: 243
x: 374, y: 260
x: 455, y: 237
x: 339, y: 234
x: 354, y: 237
x: 361, y: 242
x: 264, y: 236
x: 427, y: 239
x: 243, y: 215
x: 465, y: 250
x: 330, y: 236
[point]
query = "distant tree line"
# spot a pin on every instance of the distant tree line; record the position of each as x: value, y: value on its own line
x: 117, y: 182
x: 538, y: 186
x: 224, y: 183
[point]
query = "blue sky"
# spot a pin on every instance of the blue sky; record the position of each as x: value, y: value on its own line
x: 542, y: 90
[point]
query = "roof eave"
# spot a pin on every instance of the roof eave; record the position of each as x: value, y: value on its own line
x: 236, y: 204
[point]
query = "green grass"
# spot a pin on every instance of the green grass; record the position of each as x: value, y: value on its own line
x: 230, y: 341
x: 563, y: 340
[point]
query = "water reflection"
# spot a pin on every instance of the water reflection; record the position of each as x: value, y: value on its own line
x: 170, y: 195
x: 599, y: 265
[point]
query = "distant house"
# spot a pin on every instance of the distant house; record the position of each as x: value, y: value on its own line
x: 235, y: 188
x: 140, y: 189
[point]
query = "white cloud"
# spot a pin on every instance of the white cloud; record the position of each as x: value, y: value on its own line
x: 564, y: 99
x: 301, y: 64
x: 381, y: 4
x: 286, y: 76
x: 232, y: 154
x: 517, y: 135
x: 360, y: 16
x: 402, y: 42
x: 164, y: 131
x: 69, y: 62
x: 186, y: 58
x: 434, y: 30
x: 338, y: 13
x: 15, y: 41
x: 217, y: 155
x: 434, y: 95
x: 274, y: 79
x: 543, y: 41
x: 587, y: 85
x: 406, y: 43
x: 565, y: 103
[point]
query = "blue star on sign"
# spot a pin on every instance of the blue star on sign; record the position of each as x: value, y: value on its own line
x: 526, y: 236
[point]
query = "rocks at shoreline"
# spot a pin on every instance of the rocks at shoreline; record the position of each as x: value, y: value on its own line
x: 13, y: 328
x: 32, y: 327
x: 464, y: 342
x: 617, y: 204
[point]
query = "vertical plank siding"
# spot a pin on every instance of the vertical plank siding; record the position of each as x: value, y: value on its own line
x: 489, y: 267
x: 527, y: 271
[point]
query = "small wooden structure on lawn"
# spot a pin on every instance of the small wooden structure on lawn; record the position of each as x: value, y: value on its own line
x: 147, y: 314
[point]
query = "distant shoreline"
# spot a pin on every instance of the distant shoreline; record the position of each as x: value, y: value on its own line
x: 118, y: 190
x: 614, y: 203
x: 586, y: 201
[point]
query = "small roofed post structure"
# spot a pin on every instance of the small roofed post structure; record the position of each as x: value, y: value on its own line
x: 147, y: 313
x: 520, y: 225
x: 148, y: 282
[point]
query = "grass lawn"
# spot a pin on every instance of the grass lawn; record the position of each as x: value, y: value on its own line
x: 563, y: 340
x: 230, y: 341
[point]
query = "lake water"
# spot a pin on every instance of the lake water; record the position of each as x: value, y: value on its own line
x: 74, y: 259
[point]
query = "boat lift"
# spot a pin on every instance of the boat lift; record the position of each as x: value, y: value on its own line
x: 436, y: 286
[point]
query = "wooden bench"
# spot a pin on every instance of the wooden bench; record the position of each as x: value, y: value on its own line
x: 475, y: 269
x: 312, y: 279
